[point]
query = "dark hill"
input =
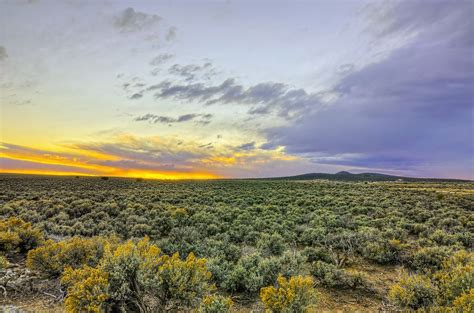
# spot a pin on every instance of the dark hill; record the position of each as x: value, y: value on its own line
x: 346, y: 176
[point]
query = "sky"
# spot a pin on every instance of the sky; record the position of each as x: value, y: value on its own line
x: 177, y: 89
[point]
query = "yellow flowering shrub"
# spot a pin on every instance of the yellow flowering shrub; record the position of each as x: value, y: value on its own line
x: 3, y: 262
x: 413, y: 292
x: 181, y: 282
x: 296, y: 294
x: 450, y: 289
x: 456, y: 278
x: 465, y: 302
x: 215, y: 304
x: 86, y: 289
x: 136, y: 277
x: 129, y: 267
x: 17, y: 235
x: 9, y: 241
x: 53, y: 257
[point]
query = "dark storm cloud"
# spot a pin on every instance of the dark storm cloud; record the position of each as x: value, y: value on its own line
x: 3, y: 53
x: 130, y: 20
x: 153, y: 118
x: 263, y: 97
x: 412, y: 109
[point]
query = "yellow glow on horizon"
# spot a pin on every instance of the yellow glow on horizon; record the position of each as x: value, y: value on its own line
x: 80, y: 163
x: 137, y: 157
x: 42, y: 172
x: 165, y: 175
x: 51, y: 160
x: 127, y: 174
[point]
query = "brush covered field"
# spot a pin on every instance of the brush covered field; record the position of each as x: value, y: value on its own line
x: 90, y: 244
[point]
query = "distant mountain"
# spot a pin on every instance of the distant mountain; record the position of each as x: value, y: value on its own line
x: 346, y: 176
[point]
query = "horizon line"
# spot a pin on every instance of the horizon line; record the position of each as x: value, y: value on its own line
x: 224, y: 178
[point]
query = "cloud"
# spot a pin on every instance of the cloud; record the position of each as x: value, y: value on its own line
x: 153, y: 157
x: 263, y: 98
x: 160, y: 59
x: 123, y: 155
x: 344, y: 69
x: 207, y: 146
x: 23, y: 102
x: 3, y: 53
x: 32, y: 167
x: 186, y: 117
x: 171, y: 34
x: 246, y: 146
x: 191, y: 72
x: 145, y: 153
x: 153, y: 118
x: 410, y: 111
x: 410, y: 18
x: 130, y: 20
x: 136, y: 96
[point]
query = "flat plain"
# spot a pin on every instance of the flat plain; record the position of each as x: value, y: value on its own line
x: 356, y: 240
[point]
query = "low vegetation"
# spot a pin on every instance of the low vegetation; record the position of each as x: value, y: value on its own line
x: 220, y: 246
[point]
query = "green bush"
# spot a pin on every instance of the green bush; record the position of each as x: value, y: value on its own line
x: 246, y: 276
x: 252, y: 272
x: 314, y: 254
x: 220, y: 270
x: 442, y: 238
x: 222, y: 249
x: 330, y: 275
x: 429, y: 259
x: 291, y: 263
x: 384, y: 252
x: 271, y: 244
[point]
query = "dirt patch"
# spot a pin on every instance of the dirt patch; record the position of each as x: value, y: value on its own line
x: 25, y: 291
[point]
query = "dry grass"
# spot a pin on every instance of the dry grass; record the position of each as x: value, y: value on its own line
x: 370, y: 299
x: 35, y: 304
